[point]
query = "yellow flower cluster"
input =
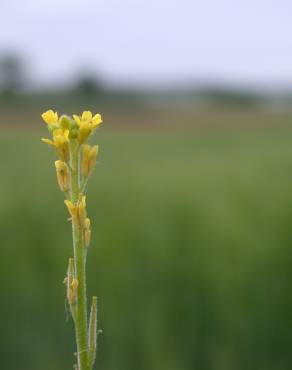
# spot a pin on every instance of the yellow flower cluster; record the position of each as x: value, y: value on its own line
x: 86, y: 124
x: 65, y: 128
x: 71, y: 133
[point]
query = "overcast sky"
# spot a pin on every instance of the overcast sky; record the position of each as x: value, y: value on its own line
x: 153, y: 41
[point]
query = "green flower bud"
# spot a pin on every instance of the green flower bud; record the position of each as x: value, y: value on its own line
x: 65, y: 122
x: 53, y: 126
x: 73, y: 133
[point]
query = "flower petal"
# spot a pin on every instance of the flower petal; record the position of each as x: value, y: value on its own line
x: 66, y: 134
x: 96, y: 120
x: 76, y: 119
x: 86, y: 115
x: 50, y: 116
x: 48, y: 141
x: 57, y: 132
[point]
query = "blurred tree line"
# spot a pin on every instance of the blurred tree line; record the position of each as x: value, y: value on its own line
x: 16, y: 84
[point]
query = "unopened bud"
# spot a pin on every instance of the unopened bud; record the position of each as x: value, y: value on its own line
x: 65, y: 122
x: 77, y: 211
x: 63, y: 176
x: 73, y: 133
x: 85, y: 130
x: 89, y: 154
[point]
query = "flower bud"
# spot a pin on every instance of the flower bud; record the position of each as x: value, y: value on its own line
x: 63, y: 176
x: 77, y: 211
x: 84, y: 131
x: 89, y: 154
x: 73, y: 134
x: 65, y: 122
x: 53, y: 126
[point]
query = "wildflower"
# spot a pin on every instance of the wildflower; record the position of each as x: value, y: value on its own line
x: 50, y: 117
x: 77, y: 211
x: 87, y: 117
x: 69, y: 135
x: 86, y: 123
x: 63, y: 175
x: 89, y: 154
x: 60, y: 142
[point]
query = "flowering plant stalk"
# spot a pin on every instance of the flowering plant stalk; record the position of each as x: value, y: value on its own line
x: 76, y: 161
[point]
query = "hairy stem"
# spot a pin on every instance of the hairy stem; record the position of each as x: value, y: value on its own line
x: 80, y: 267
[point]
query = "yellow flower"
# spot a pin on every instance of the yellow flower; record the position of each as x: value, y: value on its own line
x: 50, y: 117
x: 86, y: 123
x: 60, y: 142
x: 87, y: 117
x: 62, y: 175
x: 89, y: 154
x: 77, y: 211
x: 61, y: 132
x: 84, y: 131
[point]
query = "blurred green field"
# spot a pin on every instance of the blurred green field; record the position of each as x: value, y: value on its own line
x: 191, y: 255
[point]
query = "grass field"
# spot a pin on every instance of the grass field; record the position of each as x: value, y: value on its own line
x: 192, y: 245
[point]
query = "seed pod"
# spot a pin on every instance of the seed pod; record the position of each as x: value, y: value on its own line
x: 92, y: 333
x: 87, y: 232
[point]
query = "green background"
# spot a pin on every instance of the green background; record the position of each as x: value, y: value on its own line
x: 191, y: 255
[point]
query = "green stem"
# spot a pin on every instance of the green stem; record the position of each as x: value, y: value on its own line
x: 80, y: 267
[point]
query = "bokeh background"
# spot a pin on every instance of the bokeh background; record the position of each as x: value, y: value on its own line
x: 191, y: 200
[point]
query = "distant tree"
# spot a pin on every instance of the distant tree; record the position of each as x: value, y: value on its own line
x: 88, y: 85
x: 229, y: 97
x: 12, y: 75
